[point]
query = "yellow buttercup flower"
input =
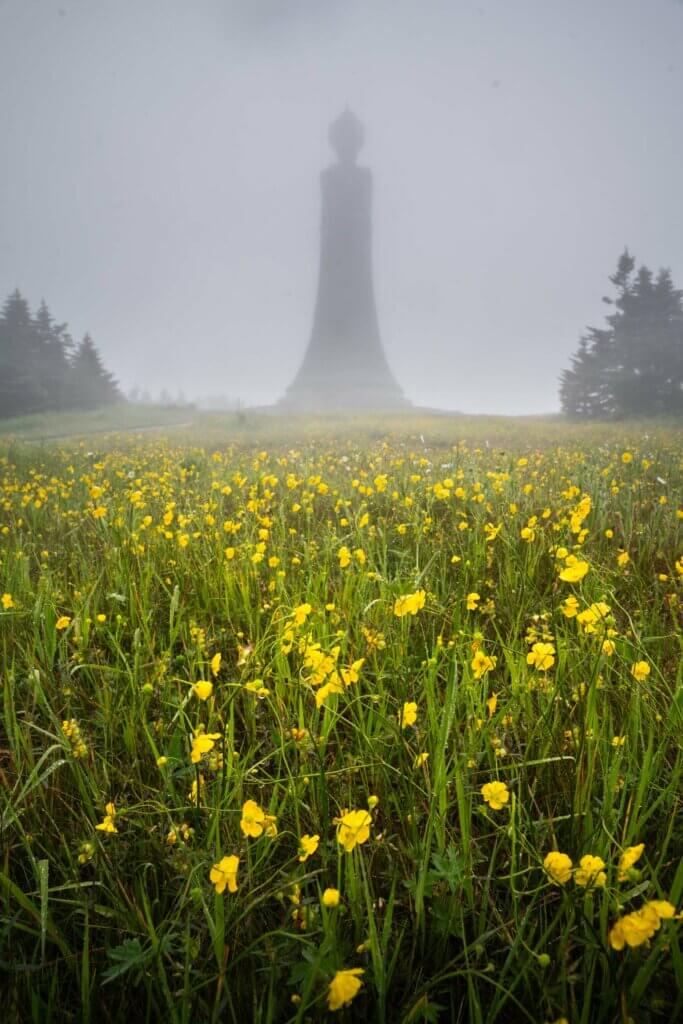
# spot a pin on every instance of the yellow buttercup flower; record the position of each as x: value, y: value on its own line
x: 331, y: 898
x: 352, y: 673
x: 496, y: 794
x: 203, y: 690
x: 541, y: 656
x: 224, y: 873
x: 107, y: 823
x: 343, y: 988
x: 63, y: 622
x: 253, y: 819
x: 7, y: 602
x: 628, y: 858
x: 307, y: 846
x: 353, y: 829
x: 575, y: 572
x: 409, y: 604
x: 301, y: 613
x: 594, y: 617
x: 408, y: 714
x: 472, y: 600
x: 344, y: 556
x: 640, y: 671
x: 558, y: 867
x: 639, y: 926
x: 590, y: 872
x: 203, y: 743
x: 216, y: 664
x: 482, y: 663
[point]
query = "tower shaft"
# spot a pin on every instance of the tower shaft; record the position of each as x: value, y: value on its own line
x: 345, y: 365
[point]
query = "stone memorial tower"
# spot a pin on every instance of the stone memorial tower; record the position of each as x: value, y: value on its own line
x: 345, y: 366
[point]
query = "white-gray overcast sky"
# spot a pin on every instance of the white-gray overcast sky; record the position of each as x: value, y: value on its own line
x: 159, y: 179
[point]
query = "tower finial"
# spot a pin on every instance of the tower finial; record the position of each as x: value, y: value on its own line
x: 347, y: 136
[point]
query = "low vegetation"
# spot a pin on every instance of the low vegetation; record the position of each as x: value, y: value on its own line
x: 385, y: 727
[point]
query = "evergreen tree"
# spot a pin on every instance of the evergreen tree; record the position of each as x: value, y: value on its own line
x: 634, y: 366
x: 21, y: 389
x: 93, y: 386
x: 54, y: 369
x: 576, y: 383
x: 648, y: 345
x: 669, y: 345
x: 38, y: 368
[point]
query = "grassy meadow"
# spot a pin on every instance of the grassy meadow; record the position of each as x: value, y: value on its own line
x: 333, y: 719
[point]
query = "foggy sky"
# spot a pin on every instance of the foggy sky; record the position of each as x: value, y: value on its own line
x: 159, y: 181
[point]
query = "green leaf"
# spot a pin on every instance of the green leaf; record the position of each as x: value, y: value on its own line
x: 126, y: 957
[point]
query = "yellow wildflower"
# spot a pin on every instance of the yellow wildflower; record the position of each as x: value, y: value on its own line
x: 639, y: 926
x: 558, y: 867
x: 628, y: 858
x: 482, y: 663
x: 541, y: 656
x: 202, y: 743
x: 343, y: 988
x: 351, y: 674
x: 496, y: 794
x: 354, y: 829
x: 574, y: 572
x: 301, y: 613
x: 331, y: 898
x: 107, y: 823
x: 593, y: 616
x: 307, y: 846
x: 640, y: 671
x: 408, y: 714
x: 344, y: 556
x: 203, y: 690
x: 590, y: 872
x: 224, y: 873
x: 409, y: 604
x: 253, y: 819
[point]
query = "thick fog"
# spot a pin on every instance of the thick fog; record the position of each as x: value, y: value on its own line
x: 159, y: 183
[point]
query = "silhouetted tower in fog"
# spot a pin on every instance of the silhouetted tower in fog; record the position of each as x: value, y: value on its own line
x: 345, y: 365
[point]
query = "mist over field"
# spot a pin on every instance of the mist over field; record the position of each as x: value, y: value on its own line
x: 160, y: 181
x: 341, y: 509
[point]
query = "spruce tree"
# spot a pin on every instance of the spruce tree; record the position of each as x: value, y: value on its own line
x: 633, y: 366
x: 21, y: 388
x: 93, y: 385
x: 54, y: 369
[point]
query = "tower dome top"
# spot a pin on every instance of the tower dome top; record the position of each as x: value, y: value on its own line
x: 346, y: 136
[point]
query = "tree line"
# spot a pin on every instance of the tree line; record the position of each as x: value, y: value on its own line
x: 41, y: 369
x: 633, y: 366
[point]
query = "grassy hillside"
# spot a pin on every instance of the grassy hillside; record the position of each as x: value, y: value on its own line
x: 53, y: 425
